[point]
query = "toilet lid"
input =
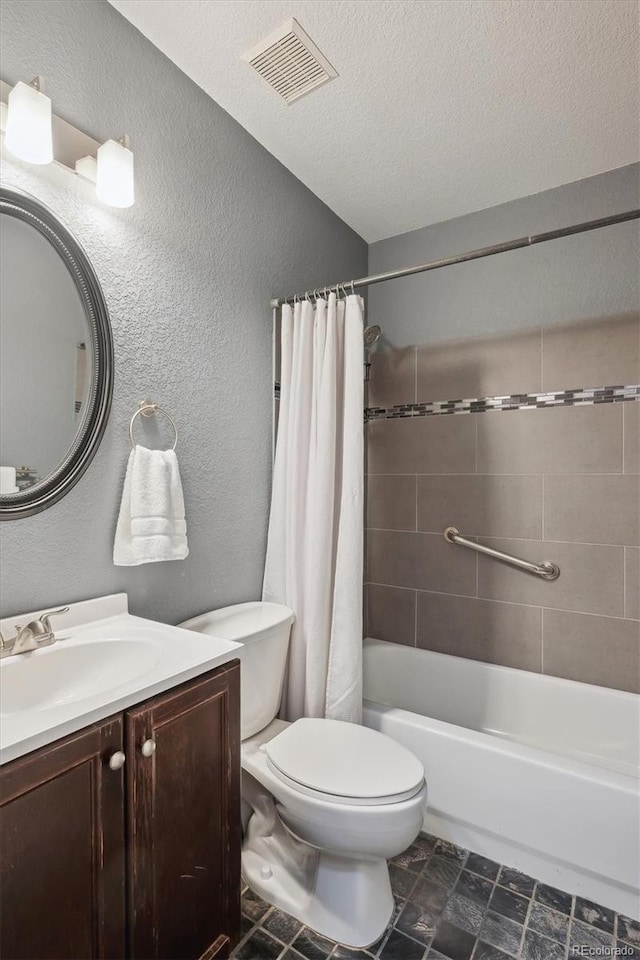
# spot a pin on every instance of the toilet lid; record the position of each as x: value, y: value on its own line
x: 345, y: 760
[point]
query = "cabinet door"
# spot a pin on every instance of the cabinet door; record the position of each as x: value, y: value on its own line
x: 184, y: 820
x: 62, y: 870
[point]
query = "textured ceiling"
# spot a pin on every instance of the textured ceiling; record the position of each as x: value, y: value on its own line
x: 441, y: 107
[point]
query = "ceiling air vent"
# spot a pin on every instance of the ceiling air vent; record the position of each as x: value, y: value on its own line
x: 290, y: 62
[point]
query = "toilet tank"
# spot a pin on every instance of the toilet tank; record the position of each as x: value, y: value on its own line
x: 263, y: 630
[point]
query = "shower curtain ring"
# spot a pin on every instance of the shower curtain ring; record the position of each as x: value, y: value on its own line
x: 352, y: 289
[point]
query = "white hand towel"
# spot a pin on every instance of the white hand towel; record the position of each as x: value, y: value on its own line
x: 151, y: 525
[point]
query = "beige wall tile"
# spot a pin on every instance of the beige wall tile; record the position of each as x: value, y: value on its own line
x: 480, y: 367
x: 597, y: 509
x: 632, y: 582
x: 392, y: 377
x: 481, y: 506
x: 590, y: 581
x: 391, y: 502
x: 441, y: 444
x: 420, y: 561
x: 631, y: 417
x: 505, y: 633
x: 582, y: 439
x: 391, y: 614
x: 591, y: 649
x: 594, y: 354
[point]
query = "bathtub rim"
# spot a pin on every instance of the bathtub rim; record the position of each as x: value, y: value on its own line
x: 631, y: 770
x: 582, y: 769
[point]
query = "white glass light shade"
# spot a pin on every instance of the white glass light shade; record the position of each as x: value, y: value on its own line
x: 114, y: 182
x: 29, y: 125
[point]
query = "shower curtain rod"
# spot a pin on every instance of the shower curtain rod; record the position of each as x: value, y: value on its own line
x: 352, y: 285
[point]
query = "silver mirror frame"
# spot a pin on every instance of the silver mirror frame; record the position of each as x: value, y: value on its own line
x: 81, y: 452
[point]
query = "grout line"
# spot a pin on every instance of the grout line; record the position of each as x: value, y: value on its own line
x: 395, y: 530
x: 393, y: 586
x: 494, y: 536
x: 476, y: 464
x: 568, y: 543
x: 569, y: 475
x: 477, y: 576
x: 512, y: 603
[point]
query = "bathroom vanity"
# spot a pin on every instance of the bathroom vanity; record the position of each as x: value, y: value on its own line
x: 121, y: 838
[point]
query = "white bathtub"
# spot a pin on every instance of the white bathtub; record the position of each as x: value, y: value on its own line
x: 532, y: 771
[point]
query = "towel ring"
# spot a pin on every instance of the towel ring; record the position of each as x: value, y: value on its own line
x: 147, y: 409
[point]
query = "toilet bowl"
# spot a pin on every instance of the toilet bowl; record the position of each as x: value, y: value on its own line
x: 326, y: 803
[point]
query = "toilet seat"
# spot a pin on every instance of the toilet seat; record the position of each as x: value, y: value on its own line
x: 343, y: 762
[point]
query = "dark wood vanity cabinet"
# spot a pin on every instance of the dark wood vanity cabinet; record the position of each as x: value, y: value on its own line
x: 141, y: 861
x: 62, y: 851
x: 184, y: 820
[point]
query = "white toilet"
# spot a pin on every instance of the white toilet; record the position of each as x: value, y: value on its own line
x: 326, y: 803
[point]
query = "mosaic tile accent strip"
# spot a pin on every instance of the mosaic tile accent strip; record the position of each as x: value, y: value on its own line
x: 451, y: 904
x: 520, y: 401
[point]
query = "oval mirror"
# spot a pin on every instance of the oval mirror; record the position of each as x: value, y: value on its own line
x: 56, y: 358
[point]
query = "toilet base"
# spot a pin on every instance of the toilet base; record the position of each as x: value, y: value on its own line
x: 346, y: 899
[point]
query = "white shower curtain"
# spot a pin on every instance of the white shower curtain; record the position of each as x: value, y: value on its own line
x: 315, y: 543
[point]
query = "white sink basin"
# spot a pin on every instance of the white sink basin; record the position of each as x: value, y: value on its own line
x: 59, y: 675
x: 103, y: 661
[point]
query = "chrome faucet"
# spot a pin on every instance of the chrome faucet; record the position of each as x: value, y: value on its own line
x: 36, y: 634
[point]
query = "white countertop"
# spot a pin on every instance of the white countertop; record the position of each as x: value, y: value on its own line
x: 104, y: 660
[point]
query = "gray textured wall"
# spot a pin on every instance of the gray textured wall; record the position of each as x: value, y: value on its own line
x: 588, y: 276
x: 219, y: 227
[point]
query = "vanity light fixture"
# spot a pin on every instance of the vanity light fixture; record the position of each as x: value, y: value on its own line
x: 114, y: 173
x: 32, y: 133
x: 29, y: 133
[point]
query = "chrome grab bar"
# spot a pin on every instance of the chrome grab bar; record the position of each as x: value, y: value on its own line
x: 548, y: 570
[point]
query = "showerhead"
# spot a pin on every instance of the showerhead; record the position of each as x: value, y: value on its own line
x: 371, y: 335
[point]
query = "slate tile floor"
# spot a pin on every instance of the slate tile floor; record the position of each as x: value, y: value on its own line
x: 454, y: 905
